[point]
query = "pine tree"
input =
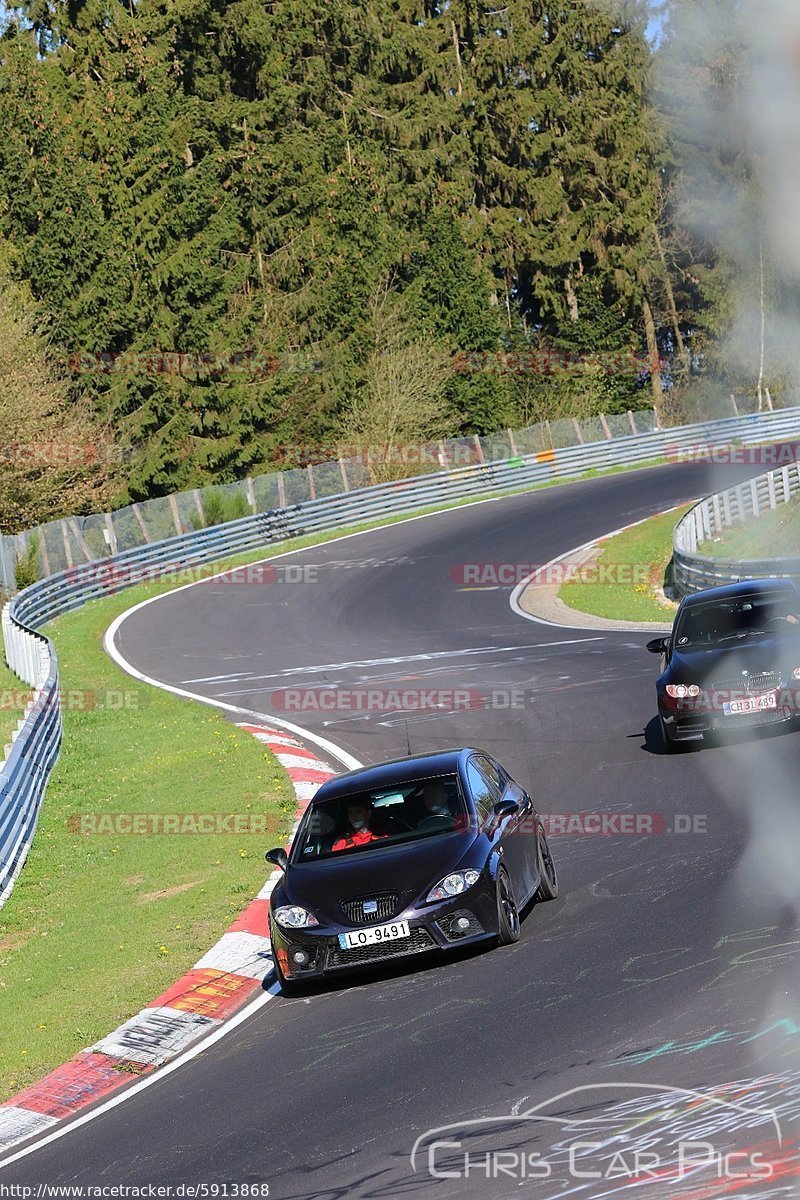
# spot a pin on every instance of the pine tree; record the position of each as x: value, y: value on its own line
x: 219, y: 178
x: 449, y: 293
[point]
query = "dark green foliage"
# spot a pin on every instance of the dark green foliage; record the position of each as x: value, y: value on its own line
x: 219, y: 507
x: 450, y: 298
x: 310, y: 181
x: 26, y: 566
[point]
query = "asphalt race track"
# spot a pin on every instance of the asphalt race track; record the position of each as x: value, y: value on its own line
x: 667, y: 967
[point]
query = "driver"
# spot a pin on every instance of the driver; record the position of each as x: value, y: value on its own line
x: 434, y: 795
x: 359, y: 815
x: 786, y: 615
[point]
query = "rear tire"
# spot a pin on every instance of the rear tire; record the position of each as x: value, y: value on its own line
x: 548, y: 887
x: 507, y: 911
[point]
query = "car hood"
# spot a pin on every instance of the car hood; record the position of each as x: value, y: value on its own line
x: 408, y: 868
x: 733, y: 660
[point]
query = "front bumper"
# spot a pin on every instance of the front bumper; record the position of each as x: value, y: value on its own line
x: 431, y: 927
x: 689, y: 721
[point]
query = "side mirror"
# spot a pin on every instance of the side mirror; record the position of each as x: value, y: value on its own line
x: 277, y: 858
x: 505, y: 808
x: 658, y: 645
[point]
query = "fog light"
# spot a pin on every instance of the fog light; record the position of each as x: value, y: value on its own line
x: 462, y: 923
x: 300, y: 957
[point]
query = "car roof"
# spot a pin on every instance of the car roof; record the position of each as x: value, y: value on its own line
x: 397, y: 770
x: 736, y: 591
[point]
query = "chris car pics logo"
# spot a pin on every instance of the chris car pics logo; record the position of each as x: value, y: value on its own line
x: 615, y: 1136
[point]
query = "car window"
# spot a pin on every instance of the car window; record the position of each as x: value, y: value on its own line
x: 493, y: 773
x: 371, y: 819
x: 746, y: 616
x: 484, y: 785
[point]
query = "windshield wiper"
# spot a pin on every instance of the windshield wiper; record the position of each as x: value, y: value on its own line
x: 742, y: 633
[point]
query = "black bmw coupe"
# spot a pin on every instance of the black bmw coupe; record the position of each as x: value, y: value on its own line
x: 425, y: 853
x: 732, y: 661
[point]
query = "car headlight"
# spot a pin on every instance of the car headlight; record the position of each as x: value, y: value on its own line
x: 796, y: 673
x: 682, y: 691
x: 291, y: 916
x: 453, y: 885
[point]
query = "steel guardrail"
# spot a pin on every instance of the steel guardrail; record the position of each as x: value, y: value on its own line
x: 693, y: 571
x: 32, y: 656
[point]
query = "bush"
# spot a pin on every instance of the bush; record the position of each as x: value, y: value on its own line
x: 26, y: 566
x: 220, y: 506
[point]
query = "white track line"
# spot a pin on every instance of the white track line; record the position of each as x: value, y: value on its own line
x: 248, y: 1011
x: 347, y: 760
x: 520, y: 588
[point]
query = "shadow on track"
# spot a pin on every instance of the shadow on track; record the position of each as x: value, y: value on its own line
x: 400, y: 968
x: 654, y: 740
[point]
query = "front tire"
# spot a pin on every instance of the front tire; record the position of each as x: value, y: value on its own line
x: 548, y: 887
x: 507, y: 911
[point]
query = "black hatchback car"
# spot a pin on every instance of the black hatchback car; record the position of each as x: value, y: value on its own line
x: 732, y: 661
x: 424, y: 853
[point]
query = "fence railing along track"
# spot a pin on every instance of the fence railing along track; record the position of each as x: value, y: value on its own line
x: 23, y: 774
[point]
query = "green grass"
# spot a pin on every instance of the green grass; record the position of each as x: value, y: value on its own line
x: 776, y: 534
x: 11, y: 693
x: 99, y: 925
x: 638, y: 560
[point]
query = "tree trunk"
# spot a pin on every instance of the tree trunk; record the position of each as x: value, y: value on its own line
x: 259, y: 256
x: 572, y: 299
x: 458, y: 59
x: 683, y: 353
x: 655, y: 365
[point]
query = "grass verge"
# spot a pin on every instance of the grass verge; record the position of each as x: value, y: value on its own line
x: 13, y: 697
x: 98, y: 925
x: 776, y: 534
x: 637, y: 562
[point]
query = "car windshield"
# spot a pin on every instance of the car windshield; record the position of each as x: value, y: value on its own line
x: 370, y: 820
x: 703, y: 625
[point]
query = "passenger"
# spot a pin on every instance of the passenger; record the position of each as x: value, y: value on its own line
x: 359, y: 816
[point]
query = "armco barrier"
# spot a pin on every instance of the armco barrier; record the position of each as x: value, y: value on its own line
x: 23, y: 776
x: 33, y: 751
x: 693, y: 571
x: 67, y: 541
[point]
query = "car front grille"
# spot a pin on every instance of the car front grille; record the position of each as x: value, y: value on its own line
x: 750, y: 685
x: 418, y: 941
x: 386, y: 906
